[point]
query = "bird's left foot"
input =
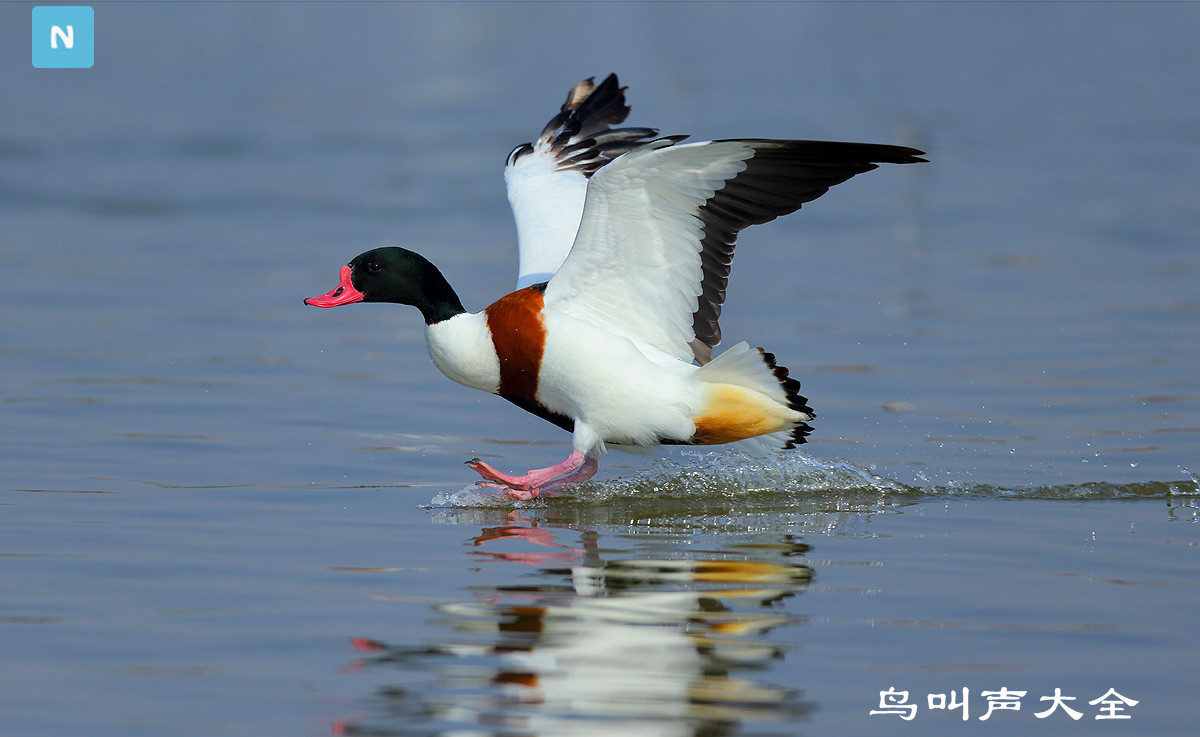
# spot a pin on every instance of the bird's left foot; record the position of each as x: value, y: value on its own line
x: 515, y: 487
x: 577, y: 467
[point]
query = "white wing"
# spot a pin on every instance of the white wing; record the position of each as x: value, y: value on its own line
x: 547, y: 204
x: 547, y: 179
x: 652, y: 256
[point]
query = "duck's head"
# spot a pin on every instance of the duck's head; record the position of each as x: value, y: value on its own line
x: 393, y: 274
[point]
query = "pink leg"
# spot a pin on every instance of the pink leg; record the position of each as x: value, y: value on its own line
x: 577, y: 467
x: 585, y: 472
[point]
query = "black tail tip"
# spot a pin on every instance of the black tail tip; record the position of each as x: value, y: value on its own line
x: 796, y: 401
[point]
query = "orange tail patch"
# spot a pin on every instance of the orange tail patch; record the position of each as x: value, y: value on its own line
x: 734, y: 413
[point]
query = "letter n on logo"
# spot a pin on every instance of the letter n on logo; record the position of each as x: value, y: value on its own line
x: 63, y: 37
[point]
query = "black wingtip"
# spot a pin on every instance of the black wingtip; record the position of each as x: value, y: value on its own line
x: 905, y: 155
x: 833, y: 153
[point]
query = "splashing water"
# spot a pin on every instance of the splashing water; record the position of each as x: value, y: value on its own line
x: 732, y: 475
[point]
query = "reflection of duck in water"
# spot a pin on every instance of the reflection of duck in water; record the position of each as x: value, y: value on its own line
x: 626, y: 243
x: 626, y: 646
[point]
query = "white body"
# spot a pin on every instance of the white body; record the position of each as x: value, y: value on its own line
x: 613, y: 388
x: 613, y: 391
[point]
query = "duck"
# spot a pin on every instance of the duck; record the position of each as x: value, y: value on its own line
x: 625, y: 243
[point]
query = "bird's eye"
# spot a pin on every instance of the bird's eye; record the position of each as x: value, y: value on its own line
x: 374, y: 267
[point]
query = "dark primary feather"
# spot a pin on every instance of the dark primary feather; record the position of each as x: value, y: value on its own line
x: 598, y: 109
x: 581, y: 136
x: 777, y: 180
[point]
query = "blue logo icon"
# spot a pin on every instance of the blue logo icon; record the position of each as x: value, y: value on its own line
x: 64, y: 37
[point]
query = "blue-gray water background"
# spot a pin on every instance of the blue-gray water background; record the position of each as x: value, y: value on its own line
x: 223, y: 513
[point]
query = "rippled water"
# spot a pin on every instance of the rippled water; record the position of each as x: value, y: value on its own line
x: 225, y: 513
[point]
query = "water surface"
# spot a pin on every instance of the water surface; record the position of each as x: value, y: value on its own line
x: 225, y: 513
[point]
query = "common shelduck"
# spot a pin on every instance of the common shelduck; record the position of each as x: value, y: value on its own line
x: 625, y: 244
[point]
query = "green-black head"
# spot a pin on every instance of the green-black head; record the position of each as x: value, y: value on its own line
x: 394, y: 274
